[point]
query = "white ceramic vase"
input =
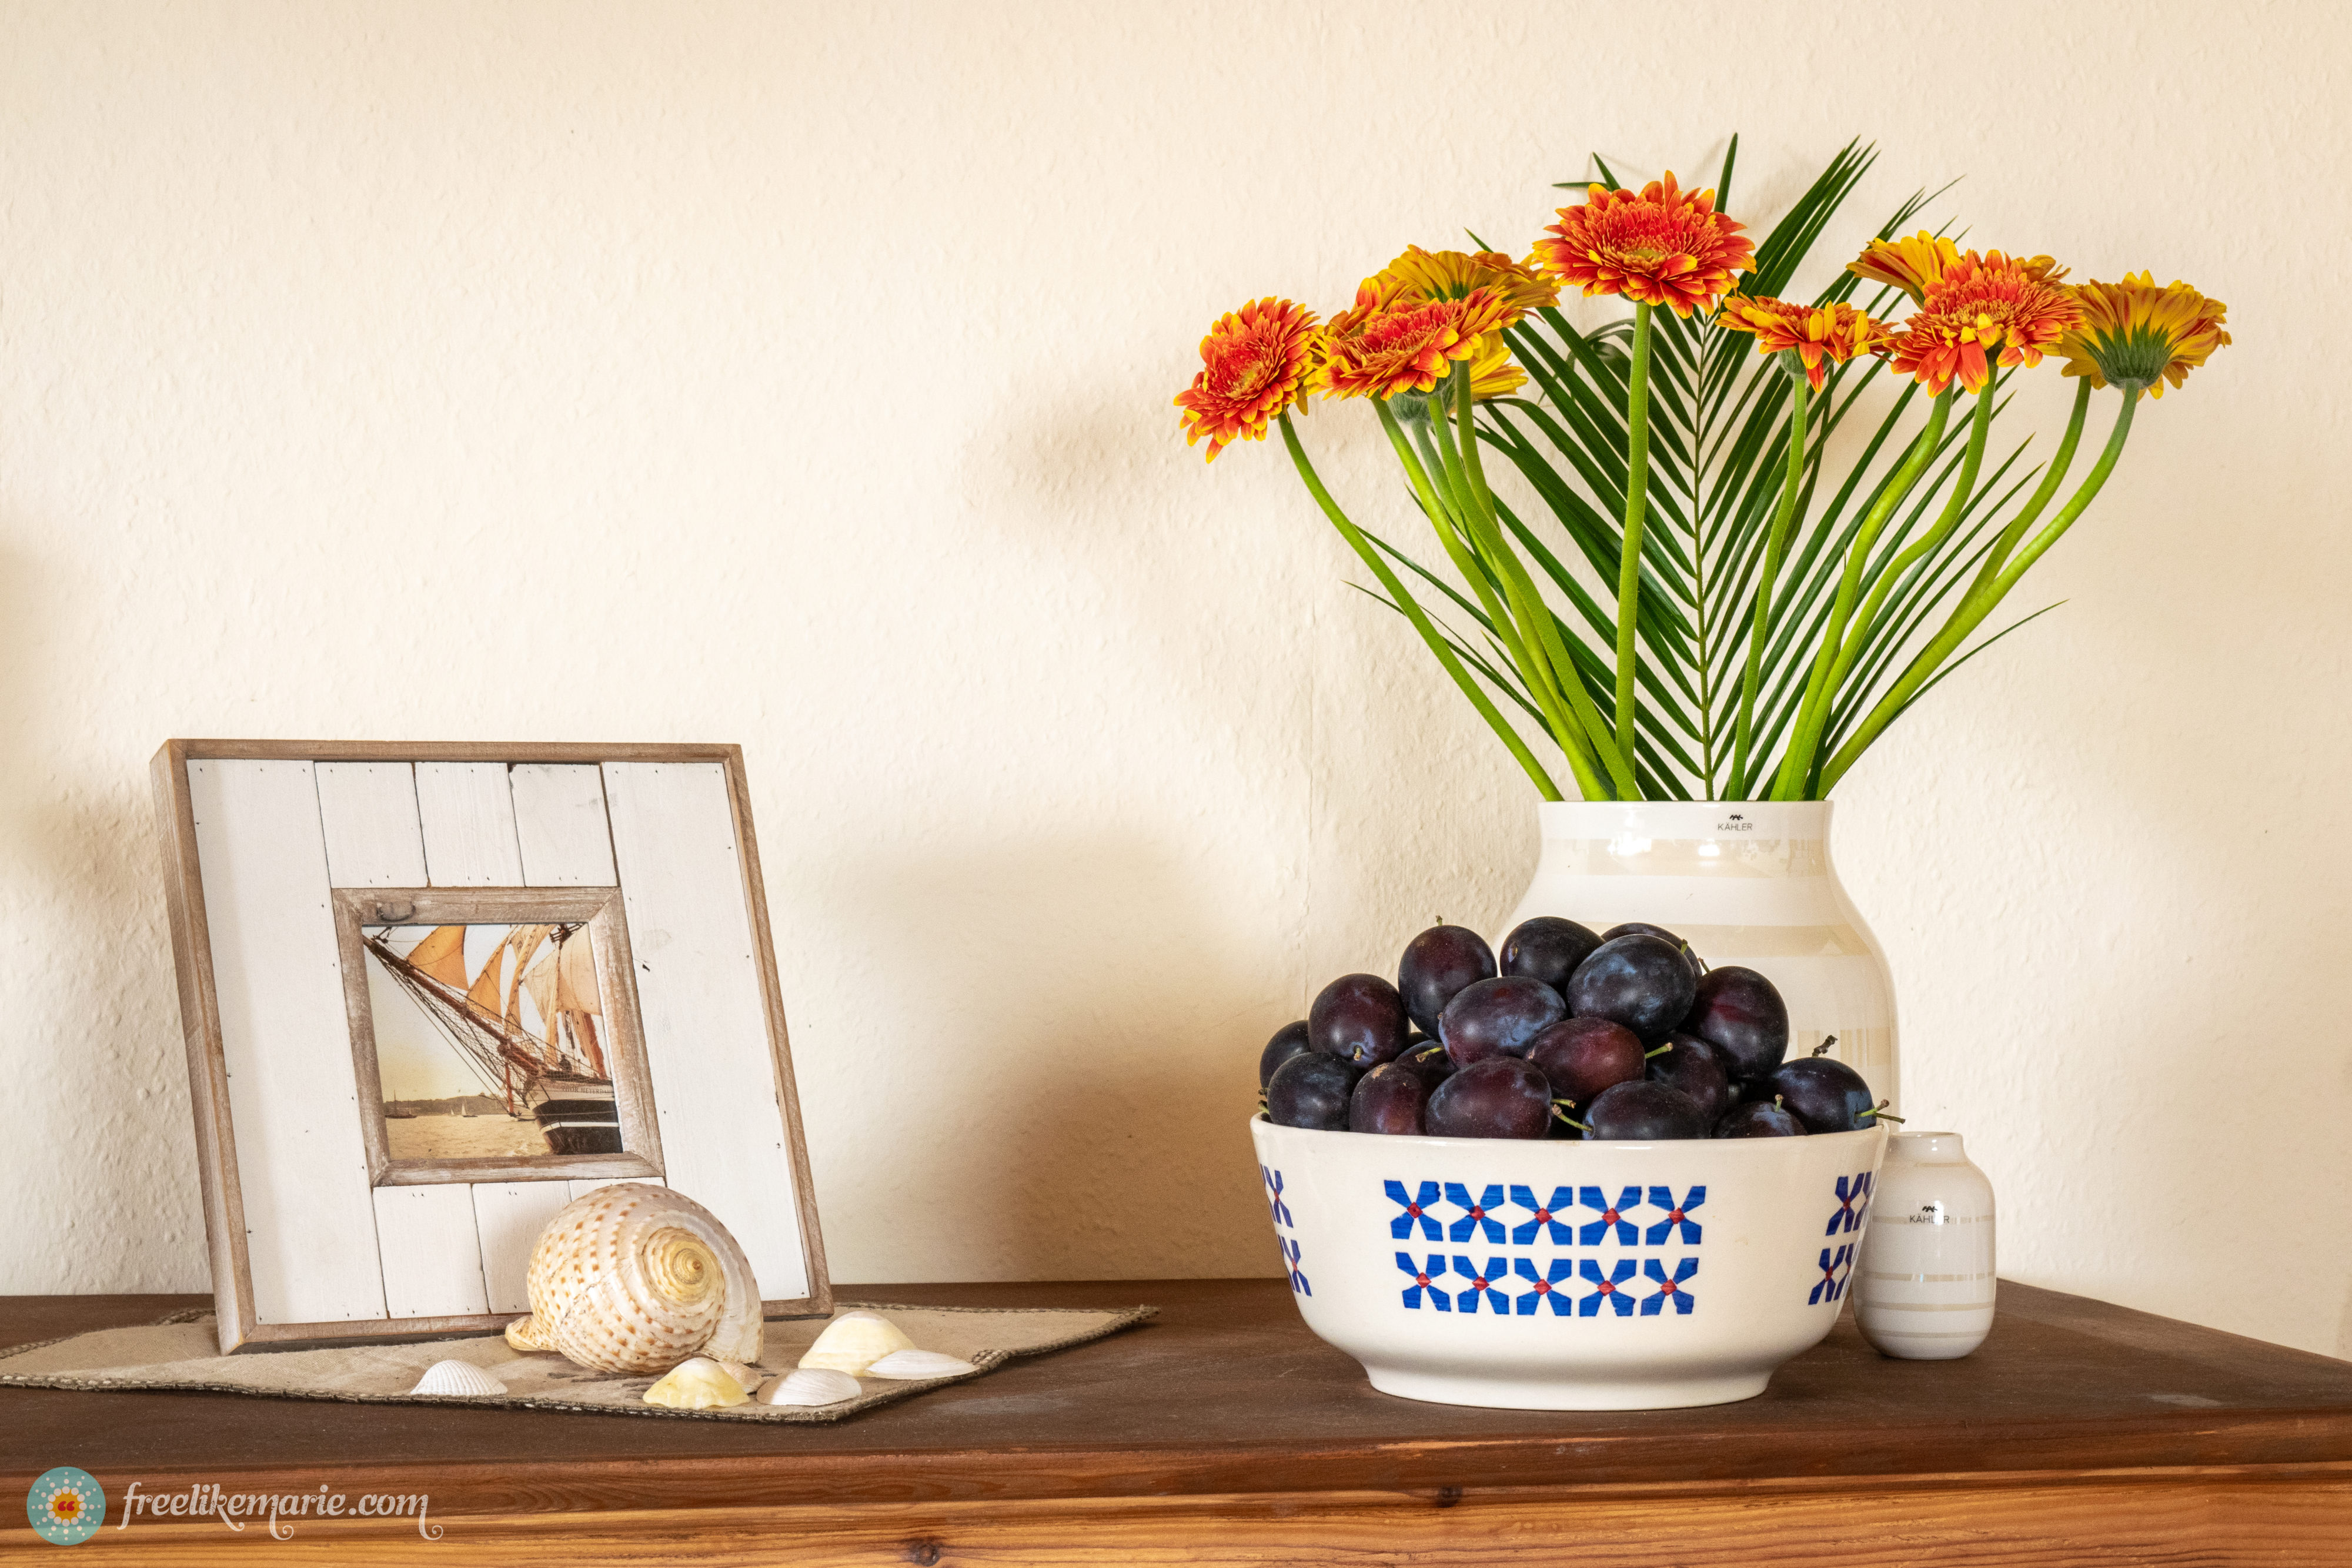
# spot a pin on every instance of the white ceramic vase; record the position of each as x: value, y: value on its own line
x: 1923, y: 1288
x: 1747, y: 883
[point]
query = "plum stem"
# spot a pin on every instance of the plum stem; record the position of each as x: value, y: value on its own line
x: 1824, y: 1048
x: 1579, y: 1127
x: 1660, y: 1052
x: 1881, y: 1112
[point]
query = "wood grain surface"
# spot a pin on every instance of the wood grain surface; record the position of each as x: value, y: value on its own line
x: 2080, y: 1434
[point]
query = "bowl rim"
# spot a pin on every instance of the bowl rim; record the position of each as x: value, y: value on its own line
x: 1429, y: 1141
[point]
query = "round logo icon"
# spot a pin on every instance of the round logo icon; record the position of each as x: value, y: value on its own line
x: 66, y: 1506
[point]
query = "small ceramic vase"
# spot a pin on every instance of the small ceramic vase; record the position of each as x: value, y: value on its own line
x: 1923, y: 1288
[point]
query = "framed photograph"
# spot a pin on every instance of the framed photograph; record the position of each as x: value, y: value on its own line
x: 431, y: 993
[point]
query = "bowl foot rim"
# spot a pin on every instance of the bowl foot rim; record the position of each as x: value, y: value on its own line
x: 1590, y: 1393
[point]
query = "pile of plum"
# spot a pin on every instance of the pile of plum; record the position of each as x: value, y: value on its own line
x: 1621, y: 1035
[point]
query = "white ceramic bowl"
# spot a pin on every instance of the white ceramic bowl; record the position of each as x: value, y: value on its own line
x: 1569, y: 1276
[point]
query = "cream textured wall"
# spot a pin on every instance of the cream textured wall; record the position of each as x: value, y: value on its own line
x: 799, y: 374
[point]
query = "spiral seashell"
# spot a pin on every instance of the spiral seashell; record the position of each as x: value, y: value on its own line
x: 856, y: 1340
x: 810, y: 1385
x: 632, y: 1278
x: 914, y: 1365
x: 457, y: 1379
x: 697, y: 1383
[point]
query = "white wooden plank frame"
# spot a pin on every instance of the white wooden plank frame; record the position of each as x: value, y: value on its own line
x: 498, y: 821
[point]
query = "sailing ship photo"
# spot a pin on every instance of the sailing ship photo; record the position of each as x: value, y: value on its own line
x: 490, y: 1041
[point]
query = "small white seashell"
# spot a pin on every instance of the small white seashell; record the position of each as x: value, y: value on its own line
x: 810, y: 1385
x: 748, y: 1376
x: 460, y: 1378
x: 697, y: 1384
x: 856, y: 1340
x: 913, y: 1366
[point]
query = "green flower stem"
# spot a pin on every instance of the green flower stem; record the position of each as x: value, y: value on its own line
x: 1637, y: 496
x: 1541, y: 627
x: 1977, y: 606
x: 1776, y: 543
x: 1405, y: 601
x: 1445, y: 519
x: 1454, y: 487
x: 2059, y: 465
x: 1961, y: 490
x: 1812, y: 717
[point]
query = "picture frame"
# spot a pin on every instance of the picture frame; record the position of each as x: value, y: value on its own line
x: 431, y: 992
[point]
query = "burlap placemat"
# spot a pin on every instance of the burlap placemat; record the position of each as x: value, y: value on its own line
x: 183, y: 1352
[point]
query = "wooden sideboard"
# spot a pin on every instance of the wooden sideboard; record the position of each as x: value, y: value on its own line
x: 2080, y: 1434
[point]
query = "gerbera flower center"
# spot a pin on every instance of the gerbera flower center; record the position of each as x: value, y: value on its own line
x: 1242, y: 374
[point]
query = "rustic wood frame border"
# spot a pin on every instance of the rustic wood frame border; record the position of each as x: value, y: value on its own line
x: 599, y: 908
x: 200, y: 1023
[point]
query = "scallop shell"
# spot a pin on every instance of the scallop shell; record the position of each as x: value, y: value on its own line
x: 810, y: 1385
x: 856, y: 1340
x: 457, y: 1378
x: 698, y: 1383
x: 633, y: 1278
x: 913, y: 1366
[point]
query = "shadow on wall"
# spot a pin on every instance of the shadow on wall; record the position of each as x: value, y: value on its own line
x: 96, y: 1078
x: 1079, y: 1111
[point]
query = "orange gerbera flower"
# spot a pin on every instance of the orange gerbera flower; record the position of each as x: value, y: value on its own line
x: 1819, y: 336
x: 1420, y: 275
x: 2135, y: 334
x: 1665, y: 246
x: 1984, y: 305
x: 1380, y: 349
x: 1255, y: 363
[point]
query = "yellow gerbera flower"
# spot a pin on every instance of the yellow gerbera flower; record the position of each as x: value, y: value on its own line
x: 1914, y: 265
x: 2135, y: 334
x: 1819, y: 336
x: 1421, y: 273
x: 1257, y: 362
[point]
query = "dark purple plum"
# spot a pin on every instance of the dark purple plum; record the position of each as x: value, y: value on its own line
x: 1740, y: 1013
x: 1358, y: 1018
x: 1311, y: 1089
x: 1755, y: 1119
x: 1698, y: 1069
x: 1823, y: 1093
x: 1436, y: 965
x: 1644, y: 1112
x: 1288, y: 1042
x: 1637, y: 980
x: 1643, y: 928
x: 1584, y: 1056
x: 1428, y: 1058
x: 1501, y: 1097
x: 1389, y: 1099
x: 1500, y: 1016
x: 1547, y: 948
